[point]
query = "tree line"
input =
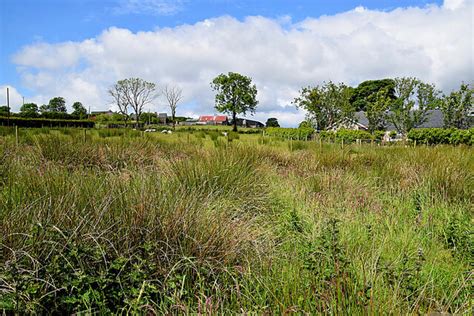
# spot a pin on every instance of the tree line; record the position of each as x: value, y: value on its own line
x: 55, y: 109
x: 403, y: 102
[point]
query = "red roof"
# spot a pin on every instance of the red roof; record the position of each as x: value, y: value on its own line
x: 212, y: 118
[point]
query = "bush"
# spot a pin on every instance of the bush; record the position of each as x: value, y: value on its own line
x: 348, y: 136
x: 40, y: 122
x: 433, y: 136
x: 302, y: 133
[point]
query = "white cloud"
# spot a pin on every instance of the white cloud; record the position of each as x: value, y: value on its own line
x: 150, y: 7
x: 15, y: 97
x: 434, y: 43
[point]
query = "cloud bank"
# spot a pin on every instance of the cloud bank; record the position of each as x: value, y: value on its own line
x: 434, y: 43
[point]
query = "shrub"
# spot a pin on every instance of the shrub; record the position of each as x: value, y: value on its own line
x: 433, y: 136
x: 41, y: 122
x: 302, y: 133
x: 348, y: 136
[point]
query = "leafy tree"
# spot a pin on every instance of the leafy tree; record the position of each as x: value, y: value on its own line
x: 4, y: 110
x: 134, y: 93
x: 57, y: 104
x: 305, y: 124
x: 456, y: 107
x: 325, y: 104
x: 29, y: 110
x: 377, y: 106
x: 272, y: 122
x: 149, y: 117
x: 79, y: 110
x: 366, y: 89
x: 413, y: 101
x: 235, y: 94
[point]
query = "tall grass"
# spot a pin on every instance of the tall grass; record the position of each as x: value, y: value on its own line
x: 109, y: 223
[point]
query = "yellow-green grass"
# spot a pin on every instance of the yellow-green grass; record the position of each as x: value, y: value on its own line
x: 122, y: 221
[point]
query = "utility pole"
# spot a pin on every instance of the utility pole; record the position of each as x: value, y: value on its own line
x: 8, y: 106
x: 23, y: 100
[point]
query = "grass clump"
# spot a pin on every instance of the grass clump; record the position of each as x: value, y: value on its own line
x: 107, y: 223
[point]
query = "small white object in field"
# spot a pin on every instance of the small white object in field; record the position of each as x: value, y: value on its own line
x: 164, y: 131
x: 150, y: 130
x: 225, y: 133
x: 170, y: 132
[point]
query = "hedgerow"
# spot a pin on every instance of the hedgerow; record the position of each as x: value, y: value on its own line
x: 433, y: 136
x: 290, y: 133
x: 347, y: 135
x: 43, y: 122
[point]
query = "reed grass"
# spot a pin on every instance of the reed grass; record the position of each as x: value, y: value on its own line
x: 125, y: 222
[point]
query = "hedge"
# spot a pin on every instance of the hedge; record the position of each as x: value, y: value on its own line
x: 434, y: 136
x: 349, y: 136
x: 302, y: 133
x: 42, y: 122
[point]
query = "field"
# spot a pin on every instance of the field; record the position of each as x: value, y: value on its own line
x: 194, y: 222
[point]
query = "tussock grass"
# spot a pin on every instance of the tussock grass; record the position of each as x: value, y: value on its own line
x: 107, y: 222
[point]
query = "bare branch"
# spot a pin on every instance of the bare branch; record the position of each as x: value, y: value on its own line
x: 173, y: 95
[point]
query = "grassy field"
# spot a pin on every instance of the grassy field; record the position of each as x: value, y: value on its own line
x: 125, y: 222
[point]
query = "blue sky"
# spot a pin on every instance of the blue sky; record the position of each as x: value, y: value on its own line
x: 25, y: 22
x: 77, y: 48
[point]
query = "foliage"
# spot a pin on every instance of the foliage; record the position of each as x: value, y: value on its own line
x: 116, y: 221
x: 457, y: 106
x: 29, y: 110
x: 4, y: 110
x: 434, y: 136
x: 303, y: 133
x: 305, y: 124
x: 365, y: 90
x: 376, y: 106
x: 413, y: 101
x: 348, y: 135
x: 272, y: 122
x: 55, y: 105
x: 325, y: 104
x: 79, y: 111
x: 235, y: 94
x: 40, y: 122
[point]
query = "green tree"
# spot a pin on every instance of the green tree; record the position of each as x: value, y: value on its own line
x: 79, y: 110
x: 29, y: 110
x: 149, y: 117
x: 414, y: 99
x: 235, y: 94
x: 457, y: 106
x: 272, y: 122
x: 57, y: 104
x: 366, y: 89
x: 4, y: 110
x: 325, y: 104
x: 377, y: 106
x: 305, y: 124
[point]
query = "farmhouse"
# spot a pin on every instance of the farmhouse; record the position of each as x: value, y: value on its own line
x: 242, y: 122
x: 360, y: 122
x: 96, y: 113
x: 213, y: 120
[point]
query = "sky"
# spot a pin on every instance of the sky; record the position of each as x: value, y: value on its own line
x: 79, y: 48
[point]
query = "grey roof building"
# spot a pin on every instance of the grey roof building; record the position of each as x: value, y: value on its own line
x: 434, y: 119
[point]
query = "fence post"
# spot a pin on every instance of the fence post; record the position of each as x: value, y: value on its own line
x: 85, y: 132
x: 16, y: 134
x: 342, y: 143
